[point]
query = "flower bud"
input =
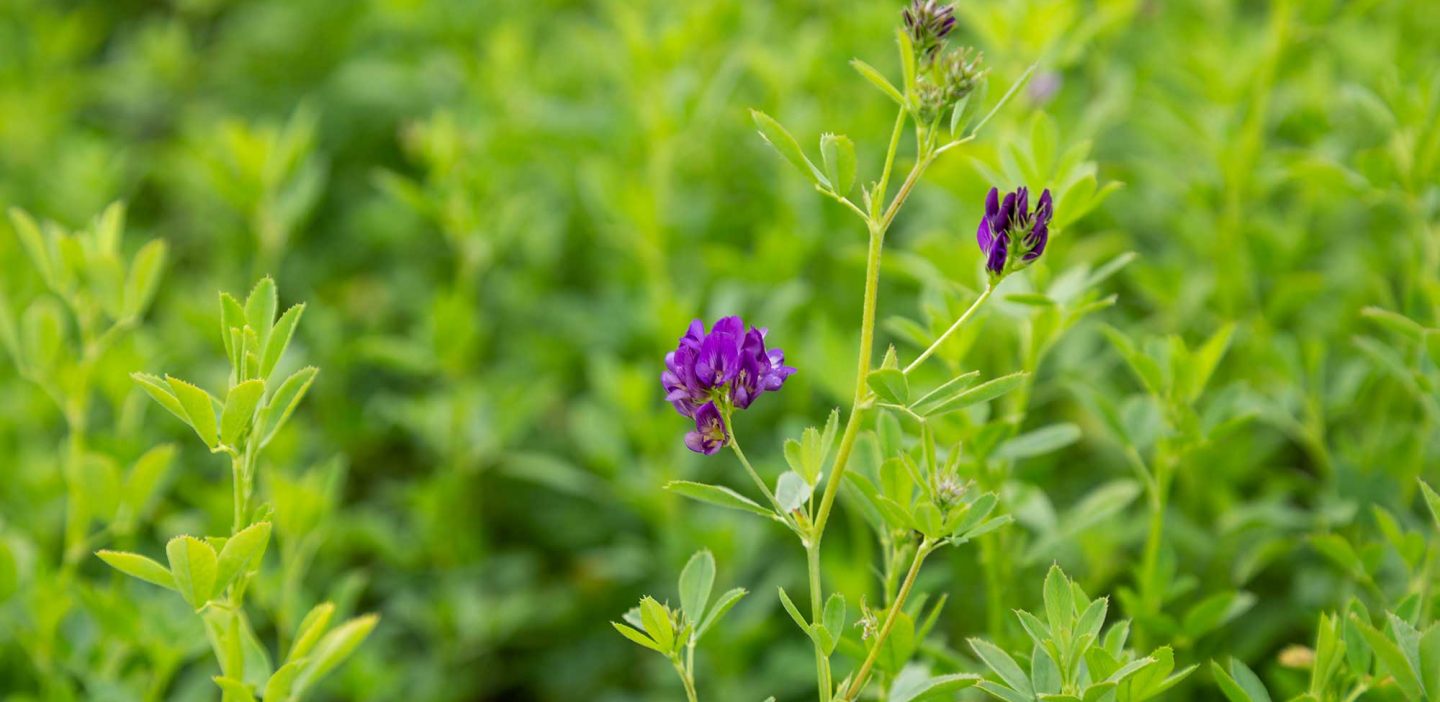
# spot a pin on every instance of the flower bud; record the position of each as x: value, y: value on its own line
x: 928, y: 22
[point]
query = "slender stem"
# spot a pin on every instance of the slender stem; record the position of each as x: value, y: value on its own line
x: 861, y: 677
x: 822, y: 659
x: 989, y: 288
x: 686, y: 678
x: 852, y: 425
x: 884, y: 189
x: 911, y: 179
x: 759, y: 482
x: 75, y: 517
x: 237, y: 477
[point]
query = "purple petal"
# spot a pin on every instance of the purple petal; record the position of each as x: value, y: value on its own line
x: 995, y: 262
x: 992, y: 202
x: 983, y: 237
x: 733, y: 326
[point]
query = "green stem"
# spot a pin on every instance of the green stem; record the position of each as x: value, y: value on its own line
x: 759, y: 482
x: 685, y: 678
x: 75, y: 516
x: 895, y: 134
x: 891, y: 614
x: 964, y: 317
x: 822, y: 659
x: 852, y: 426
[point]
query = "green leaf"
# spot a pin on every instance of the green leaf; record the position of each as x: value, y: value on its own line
x: 193, y: 566
x: 878, y: 80
x: 1247, y: 680
x: 833, y: 618
x: 791, y: 491
x: 1040, y: 441
x: 1014, y: 87
x: 34, y: 244
x: 930, y: 400
x: 1059, y: 601
x: 282, y: 683
x: 242, y: 551
x: 890, y: 385
x: 1228, y: 686
x: 279, y: 339
x: 239, y: 411
x: 1395, y: 322
x: 793, y: 611
x: 696, y: 580
x: 334, y: 648
x: 138, y: 566
x: 1004, y: 666
x: 311, y: 628
x: 1338, y: 550
x: 282, y: 404
x: 235, y: 690
x: 199, y: 409
x: 9, y: 335
x: 915, y: 684
x: 657, y: 623
x: 721, y: 608
x: 1432, y: 500
x: 232, y: 317
x: 145, y: 477
x: 144, y: 277
x: 43, y: 334
x: 983, y: 392
x: 786, y: 146
x: 260, y: 308
x: 638, y: 637
x: 838, y: 154
x: 1206, y: 359
x: 1214, y: 611
x: 717, y: 495
x: 1392, y: 659
x: 1430, y: 660
x: 1003, y: 693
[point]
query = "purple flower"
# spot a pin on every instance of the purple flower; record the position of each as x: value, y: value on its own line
x: 709, y: 373
x: 1010, y: 225
x: 710, y: 434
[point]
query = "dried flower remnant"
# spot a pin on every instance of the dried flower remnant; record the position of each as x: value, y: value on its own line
x: 710, y: 373
x: 1010, y: 235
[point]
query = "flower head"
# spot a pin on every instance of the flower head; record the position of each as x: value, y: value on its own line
x: 709, y: 373
x: 953, y: 76
x: 1011, y: 235
x: 928, y: 22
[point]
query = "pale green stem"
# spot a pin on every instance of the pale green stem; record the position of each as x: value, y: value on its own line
x: 686, y: 678
x: 759, y: 482
x: 891, y: 614
x: 822, y: 659
x: 964, y: 317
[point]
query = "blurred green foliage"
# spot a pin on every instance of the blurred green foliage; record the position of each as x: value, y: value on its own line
x: 502, y: 213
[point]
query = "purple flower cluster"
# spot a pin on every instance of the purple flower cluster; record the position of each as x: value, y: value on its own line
x: 928, y: 22
x: 1011, y: 225
x: 729, y: 366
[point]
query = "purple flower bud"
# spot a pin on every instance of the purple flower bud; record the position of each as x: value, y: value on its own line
x: 928, y: 22
x: 710, y: 434
x: 1010, y: 235
x: 727, y: 367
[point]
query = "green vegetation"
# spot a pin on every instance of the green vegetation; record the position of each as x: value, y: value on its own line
x: 1185, y: 454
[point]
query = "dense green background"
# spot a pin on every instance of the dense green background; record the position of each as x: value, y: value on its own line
x: 502, y: 213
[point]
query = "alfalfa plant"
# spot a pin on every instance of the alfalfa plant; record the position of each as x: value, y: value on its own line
x: 213, y: 574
